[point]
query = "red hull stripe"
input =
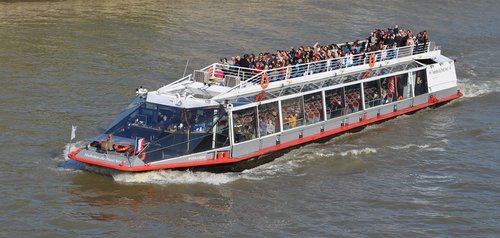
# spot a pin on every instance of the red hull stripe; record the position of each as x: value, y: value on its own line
x: 278, y: 147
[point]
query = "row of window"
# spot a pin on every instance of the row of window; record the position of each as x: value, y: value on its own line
x: 264, y: 119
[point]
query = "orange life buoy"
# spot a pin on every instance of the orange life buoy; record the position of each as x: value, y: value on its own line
x: 260, y: 96
x: 121, y: 148
x: 372, y: 60
x: 264, y: 81
x: 367, y: 74
x: 210, y: 71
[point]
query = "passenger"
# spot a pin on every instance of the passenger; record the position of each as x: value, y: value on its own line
x: 355, y: 52
x: 263, y: 127
x: 245, y: 62
x: 292, y: 120
x: 233, y: 61
x: 384, y: 97
x: 270, y: 127
x: 164, y: 122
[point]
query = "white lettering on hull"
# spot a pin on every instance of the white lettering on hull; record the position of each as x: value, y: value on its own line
x: 102, y: 158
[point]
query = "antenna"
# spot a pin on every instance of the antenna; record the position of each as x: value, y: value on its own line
x: 185, y: 68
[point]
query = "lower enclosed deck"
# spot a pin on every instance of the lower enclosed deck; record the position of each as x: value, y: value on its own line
x: 254, y: 152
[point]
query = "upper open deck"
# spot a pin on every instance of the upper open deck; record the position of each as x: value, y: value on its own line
x: 218, y: 82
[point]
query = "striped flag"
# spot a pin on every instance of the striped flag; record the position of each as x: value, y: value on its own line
x: 73, y: 132
x: 139, y: 145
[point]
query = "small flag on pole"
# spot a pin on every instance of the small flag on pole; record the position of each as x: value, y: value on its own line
x: 139, y: 145
x: 73, y: 132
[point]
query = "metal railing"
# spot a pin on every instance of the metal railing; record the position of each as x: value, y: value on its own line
x: 250, y: 77
x: 299, y: 70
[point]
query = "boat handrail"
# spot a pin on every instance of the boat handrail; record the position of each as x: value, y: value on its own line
x: 298, y: 70
x: 250, y: 77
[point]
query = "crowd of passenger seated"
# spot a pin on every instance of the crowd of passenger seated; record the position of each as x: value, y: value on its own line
x: 377, y: 40
x: 268, y: 122
x: 313, y: 109
x: 352, y: 100
x: 292, y: 115
x: 392, y: 89
x: 335, y: 105
x: 244, y: 127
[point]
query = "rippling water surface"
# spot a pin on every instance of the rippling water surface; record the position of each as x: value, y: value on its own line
x: 434, y: 173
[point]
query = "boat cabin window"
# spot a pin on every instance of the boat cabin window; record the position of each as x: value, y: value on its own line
x: 403, y: 90
x: 388, y: 89
x: 372, y: 93
x: 170, y: 131
x: 269, y: 121
x: 313, y: 108
x: 292, y: 111
x: 335, y: 106
x: 245, y: 124
x: 420, y: 82
x: 222, y: 131
x: 394, y: 88
x: 353, y: 98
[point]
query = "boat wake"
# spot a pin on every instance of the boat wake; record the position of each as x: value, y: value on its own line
x: 282, y: 165
x: 473, y: 88
x: 356, y: 152
x: 174, y: 177
x: 425, y: 147
x: 409, y: 146
x: 64, y: 163
x: 285, y: 165
x: 352, y: 153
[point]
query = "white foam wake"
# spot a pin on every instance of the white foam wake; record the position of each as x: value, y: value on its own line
x: 409, y: 146
x: 166, y: 177
x: 175, y: 177
x: 356, y: 152
x: 424, y: 147
x: 285, y: 164
x: 474, y: 88
x: 64, y: 163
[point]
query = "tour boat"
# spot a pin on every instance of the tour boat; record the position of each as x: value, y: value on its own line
x: 226, y: 118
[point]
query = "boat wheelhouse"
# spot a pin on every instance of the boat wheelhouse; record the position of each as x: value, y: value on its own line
x: 229, y: 118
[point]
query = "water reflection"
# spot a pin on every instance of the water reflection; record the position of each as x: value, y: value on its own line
x: 118, y: 202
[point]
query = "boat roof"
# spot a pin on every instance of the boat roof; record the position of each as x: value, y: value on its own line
x: 221, y: 83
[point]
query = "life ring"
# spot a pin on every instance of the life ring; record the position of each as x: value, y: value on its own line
x: 372, y: 60
x: 210, y: 71
x: 121, y: 148
x: 264, y: 81
x: 260, y: 96
x: 367, y: 74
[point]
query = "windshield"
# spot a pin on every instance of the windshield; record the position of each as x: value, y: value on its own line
x: 171, y: 131
x: 151, y: 121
